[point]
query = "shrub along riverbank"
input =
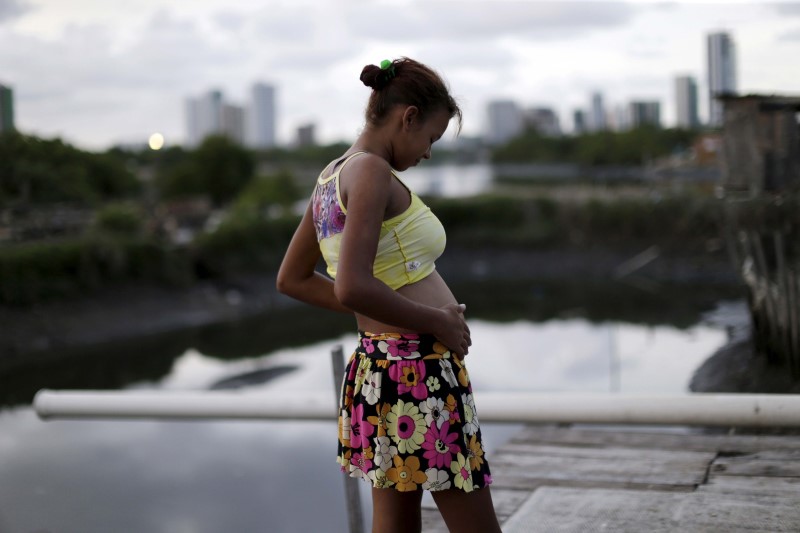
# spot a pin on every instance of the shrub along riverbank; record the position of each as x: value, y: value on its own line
x: 248, y: 241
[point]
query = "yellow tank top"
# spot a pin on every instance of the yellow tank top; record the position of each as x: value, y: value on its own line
x: 409, y: 242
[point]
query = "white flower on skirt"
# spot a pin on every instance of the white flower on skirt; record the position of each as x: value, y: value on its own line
x: 447, y: 372
x: 379, y: 479
x: 434, y: 411
x: 437, y: 480
x: 384, y: 451
x: 345, y: 425
x: 471, y: 424
x: 371, y: 391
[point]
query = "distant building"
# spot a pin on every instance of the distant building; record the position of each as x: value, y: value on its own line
x: 686, y: 102
x: 579, y: 126
x: 544, y: 120
x: 203, y: 117
x: 642, y: 113
x: 6, y: 109
x: 232, y: 123
x: 261, y: 116
x: 597, y: 113
x: 505, y: 121
x: 306, y: 135
x: 721, y: 56
x: 619, y: 118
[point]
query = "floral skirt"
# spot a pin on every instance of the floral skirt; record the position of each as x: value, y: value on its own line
x: 407, y: 417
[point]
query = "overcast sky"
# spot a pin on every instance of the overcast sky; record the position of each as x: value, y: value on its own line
x: 100, y: 72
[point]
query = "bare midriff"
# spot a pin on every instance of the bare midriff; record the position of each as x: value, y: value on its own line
x: 431, y: 290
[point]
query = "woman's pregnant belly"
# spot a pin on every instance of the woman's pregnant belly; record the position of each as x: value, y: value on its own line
x: 432, y: 291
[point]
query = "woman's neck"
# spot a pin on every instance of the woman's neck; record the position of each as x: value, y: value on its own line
x: 374, y: 141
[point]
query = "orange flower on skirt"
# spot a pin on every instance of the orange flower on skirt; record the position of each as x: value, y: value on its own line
x: 406, y: 474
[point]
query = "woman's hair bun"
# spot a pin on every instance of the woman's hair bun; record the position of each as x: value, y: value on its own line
x: 375, y: 77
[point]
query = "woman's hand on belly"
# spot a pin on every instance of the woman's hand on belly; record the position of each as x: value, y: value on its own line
x: 451, y: 329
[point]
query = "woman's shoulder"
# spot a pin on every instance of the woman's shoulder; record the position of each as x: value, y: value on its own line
x: 360, y: 161
x: 364, y: 167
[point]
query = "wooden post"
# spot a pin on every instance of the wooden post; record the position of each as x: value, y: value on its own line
x: 351, y: 494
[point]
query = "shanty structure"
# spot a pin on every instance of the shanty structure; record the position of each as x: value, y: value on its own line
x: 760, y: 144
x: 760, y: 172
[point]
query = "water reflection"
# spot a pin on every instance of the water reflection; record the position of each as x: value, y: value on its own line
x: 572, y: 355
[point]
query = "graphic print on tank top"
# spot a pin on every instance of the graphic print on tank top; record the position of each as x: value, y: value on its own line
x: 328, y: 215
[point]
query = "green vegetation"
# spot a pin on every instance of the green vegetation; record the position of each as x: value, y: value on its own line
x: 633, y: 147
x: 680, y: 223
x: 124, y: 243
x: 38, y: 171
x: 218, y: 168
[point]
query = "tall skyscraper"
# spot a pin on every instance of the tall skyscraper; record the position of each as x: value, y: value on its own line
x: 721, y: 72
x: 6, y: 109
x: 505, y: 121
x: 261, y: 116
x: 203, y: 117
x: 597, y: 113
x: 686, y: 102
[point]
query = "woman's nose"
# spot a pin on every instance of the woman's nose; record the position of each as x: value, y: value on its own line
x: 427, y: 154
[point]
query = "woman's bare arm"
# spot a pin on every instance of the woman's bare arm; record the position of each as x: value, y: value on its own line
x: 367, y: 190
x: 297, y: 276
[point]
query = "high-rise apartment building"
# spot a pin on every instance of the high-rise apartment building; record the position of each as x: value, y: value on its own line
x: 6, y: 109
x: 579, y: 126
x: 203, y: 117
x: 232, y: 123
x: 306, y: 135
x: 505, y: 121
x: 261, y: 116
x: 686, y: 102
x: 544, y: 120
x: 721, y: 73
x: 597, y: 113
x: 642, y: 113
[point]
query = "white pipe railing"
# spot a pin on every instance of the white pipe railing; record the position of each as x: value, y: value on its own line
x: 697, y: 409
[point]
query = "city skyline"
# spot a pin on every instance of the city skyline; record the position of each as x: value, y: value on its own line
x: 250, y: 124
x: 116, y: 74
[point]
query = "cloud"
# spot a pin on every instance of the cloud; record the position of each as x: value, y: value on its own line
x: 791, y: 9
x: 790, y: 36
x: 11, y: 9
x: 485, y: 20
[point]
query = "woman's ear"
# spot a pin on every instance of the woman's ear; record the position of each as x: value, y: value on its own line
x: 410, y: 116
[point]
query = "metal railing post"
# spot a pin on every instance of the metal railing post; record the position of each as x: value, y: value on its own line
x: 351, y: 493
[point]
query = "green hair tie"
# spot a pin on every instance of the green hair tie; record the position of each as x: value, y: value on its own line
x: 388, y: 67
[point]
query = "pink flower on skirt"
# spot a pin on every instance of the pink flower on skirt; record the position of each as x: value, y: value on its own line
x: 439, y: 446
x: 403, y: 347
x: 361, y: 461
x: 367, y: 344
x: 360, y: 429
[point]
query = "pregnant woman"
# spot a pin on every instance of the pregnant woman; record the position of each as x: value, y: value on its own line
x: 407, y: 418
